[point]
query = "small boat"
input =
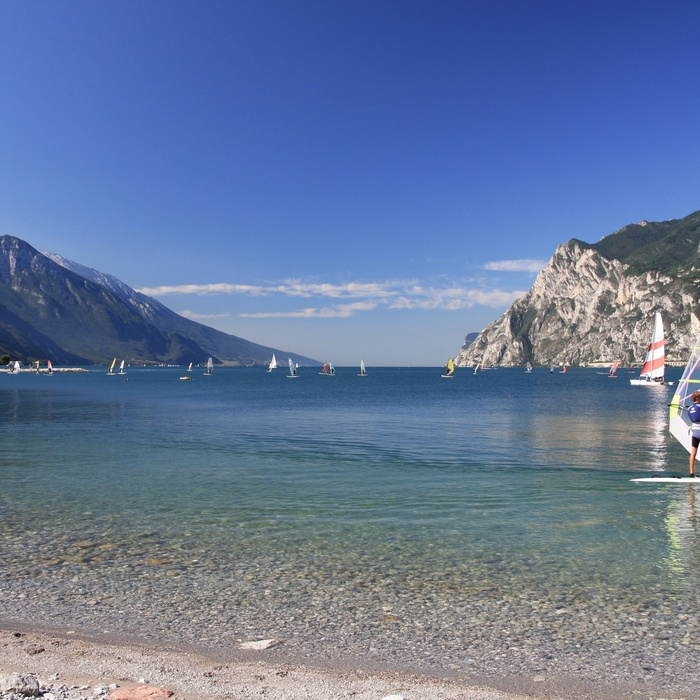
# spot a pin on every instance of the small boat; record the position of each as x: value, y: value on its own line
x: 111, y: 371
x: 273, y: 363
x: 185, y: 378
x: 14, y: 368
x: 121, y: 368
x: 292, y: 370
x: 210, y: 367
x: 652, y: 373
x: 450, y: 366
x: 528, y: 367
x: 363, y: 371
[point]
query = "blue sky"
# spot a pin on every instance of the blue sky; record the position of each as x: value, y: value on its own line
x: 344, y: 180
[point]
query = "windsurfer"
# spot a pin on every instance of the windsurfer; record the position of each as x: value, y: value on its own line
x: 694, y: 415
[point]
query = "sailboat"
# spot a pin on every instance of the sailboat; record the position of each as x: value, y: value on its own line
x: 15, y: 368
x: 292, y: 370
x: 652, y: 373
x: 679, y: 422
x: 363, y: 371
x: 273, y: 363
x: 49, y: 368
x: 189, y: 369
x: 121, y: 368
x: 450, y: 369
x: 111, y: 371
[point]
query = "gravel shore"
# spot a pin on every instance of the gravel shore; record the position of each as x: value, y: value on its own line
x: 69, y: 669
x: 66, y: 667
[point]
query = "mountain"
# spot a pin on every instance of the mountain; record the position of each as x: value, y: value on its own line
x: 60, y: 310
x: 596, y: 302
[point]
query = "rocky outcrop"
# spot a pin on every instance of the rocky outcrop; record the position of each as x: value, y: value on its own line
x: 585, y: 308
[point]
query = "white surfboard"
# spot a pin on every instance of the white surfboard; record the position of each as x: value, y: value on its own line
x: 670, y: 479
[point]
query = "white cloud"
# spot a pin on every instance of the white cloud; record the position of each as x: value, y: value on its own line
x: 336, y: 311
x: 392, y: 294
x: 193, y: 314
x: 524, y: 265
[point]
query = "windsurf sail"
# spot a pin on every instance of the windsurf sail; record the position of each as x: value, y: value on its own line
x: 363, y: 371
x: 678, y: 421
x: 111, y: 367
x: 655, y: 360
x: 450, y: 367
x: 121, y: 367
x: 49, y: 367
x: 613, y: 368
x: 210, y: 366
x: 292, y: 368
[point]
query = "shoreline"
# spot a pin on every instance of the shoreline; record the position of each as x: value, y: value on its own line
x: 84, y: 666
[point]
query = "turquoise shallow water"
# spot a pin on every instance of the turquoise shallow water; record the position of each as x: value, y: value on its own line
x: 488, y: 512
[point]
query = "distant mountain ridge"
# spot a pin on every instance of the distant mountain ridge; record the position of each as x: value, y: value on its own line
x: 596, y: 302
x: 57, y: 309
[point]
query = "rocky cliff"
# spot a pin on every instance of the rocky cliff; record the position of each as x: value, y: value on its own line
x: 596, y: 303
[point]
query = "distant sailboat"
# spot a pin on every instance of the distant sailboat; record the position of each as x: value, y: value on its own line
x: 111, y: 371
x: 121, y: 368
x: 210, y: 367
x: 189, y: 369
x: 528, y: 367
x: 363, y: 371
x: 15, y: 368
x: 49, y: 368
x: 273, y: 363
x: 652, y: 373
x: 292, y: 370
x: 450, y: 369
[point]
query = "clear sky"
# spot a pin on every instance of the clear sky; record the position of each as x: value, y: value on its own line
x: 351, y: 180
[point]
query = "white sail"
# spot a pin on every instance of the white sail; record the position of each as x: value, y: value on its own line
x: 121, y: 367
x: 292, y: 369
x: 363, y: 371
x: 189, y: 369
x: 273, y: 363
x: 210, y: 366
x: 678, y: 421
x: 655, y: 361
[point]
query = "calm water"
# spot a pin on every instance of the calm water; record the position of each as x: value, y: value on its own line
x: 397, y: 504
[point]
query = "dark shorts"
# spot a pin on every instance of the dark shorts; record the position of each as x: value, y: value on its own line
x: 695, y: 441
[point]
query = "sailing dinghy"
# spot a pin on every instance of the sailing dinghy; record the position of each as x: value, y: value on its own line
x: 652, y: 373
x: 273, y: 363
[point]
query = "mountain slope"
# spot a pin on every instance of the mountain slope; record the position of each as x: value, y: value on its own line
x: 596, y: 302
x: 74, y: 315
